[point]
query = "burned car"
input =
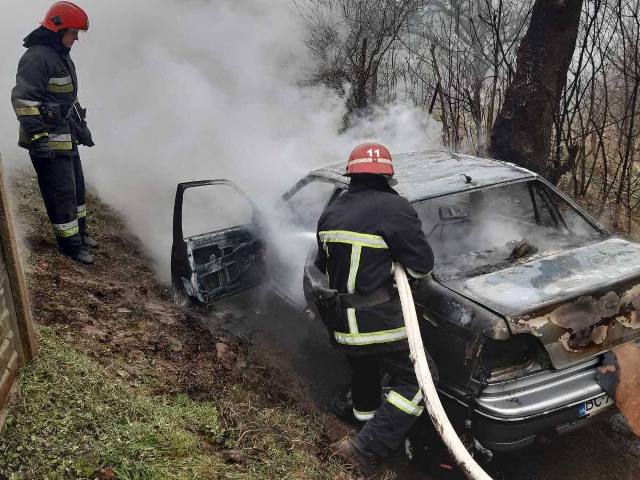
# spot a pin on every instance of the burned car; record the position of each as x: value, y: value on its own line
x: 527, y: 294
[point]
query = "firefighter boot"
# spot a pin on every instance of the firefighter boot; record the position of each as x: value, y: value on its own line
x: 81, y: 255
x: 348, y: 450
x: 88, y: 241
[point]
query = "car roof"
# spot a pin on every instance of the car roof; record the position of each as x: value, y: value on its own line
x: 433, y: 173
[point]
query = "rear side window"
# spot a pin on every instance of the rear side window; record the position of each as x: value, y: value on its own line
x: 567, y: 215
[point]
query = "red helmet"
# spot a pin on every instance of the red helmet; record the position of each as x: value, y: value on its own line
x: 370, y: 158
x: 63, y: 15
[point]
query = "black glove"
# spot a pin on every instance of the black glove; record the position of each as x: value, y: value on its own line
x: 40, y: 148
x: 84, y: 136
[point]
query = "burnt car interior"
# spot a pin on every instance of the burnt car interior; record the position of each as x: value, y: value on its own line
x: 488, y: 229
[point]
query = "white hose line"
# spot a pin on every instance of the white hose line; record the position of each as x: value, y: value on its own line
x: 467, y: 464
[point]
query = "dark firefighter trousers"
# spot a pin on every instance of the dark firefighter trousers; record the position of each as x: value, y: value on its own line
x: 390, y: 417
x: 62, y: 187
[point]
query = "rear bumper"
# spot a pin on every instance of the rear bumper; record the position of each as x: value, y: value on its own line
x: 500, y: 436
x: 511, y: 415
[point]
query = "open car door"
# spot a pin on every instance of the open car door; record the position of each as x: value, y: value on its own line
x: 214, y: 264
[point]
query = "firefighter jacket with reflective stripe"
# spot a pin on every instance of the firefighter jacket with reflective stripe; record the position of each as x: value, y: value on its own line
x: 360, y: 235
x: 45, y: 92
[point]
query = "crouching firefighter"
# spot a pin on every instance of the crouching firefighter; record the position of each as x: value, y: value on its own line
x: 360, y: 236
x: 52, y: 124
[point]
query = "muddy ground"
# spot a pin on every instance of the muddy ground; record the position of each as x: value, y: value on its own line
x: 605, y: 450
x: 119, y: 313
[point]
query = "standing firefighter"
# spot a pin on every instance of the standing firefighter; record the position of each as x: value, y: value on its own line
x: 52, y: 124
x: 360, y: 235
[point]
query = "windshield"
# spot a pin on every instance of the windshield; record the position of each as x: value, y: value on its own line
x: 484, y: 230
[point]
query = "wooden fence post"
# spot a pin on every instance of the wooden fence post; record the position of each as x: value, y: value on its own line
x: 19, y: 290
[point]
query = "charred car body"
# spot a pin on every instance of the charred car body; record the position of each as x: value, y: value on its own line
x: 527, y: 294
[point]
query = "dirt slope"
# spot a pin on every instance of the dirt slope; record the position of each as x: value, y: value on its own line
x: 115, y: 310
x: 117, y: 313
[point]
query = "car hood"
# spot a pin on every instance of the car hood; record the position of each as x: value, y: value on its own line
x: 579, y: 302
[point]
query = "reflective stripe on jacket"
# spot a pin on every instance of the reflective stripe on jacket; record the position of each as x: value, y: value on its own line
x: 46, y: 89
x: 360, y: 235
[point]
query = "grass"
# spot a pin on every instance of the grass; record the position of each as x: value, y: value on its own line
x: 72, y: 419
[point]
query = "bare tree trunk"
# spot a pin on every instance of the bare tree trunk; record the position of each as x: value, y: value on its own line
x: 522, y: 131
x: 360, y: 89
x: 446, y: 135
x: 497, y: 18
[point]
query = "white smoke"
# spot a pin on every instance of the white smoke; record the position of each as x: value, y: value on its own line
x: 182, y: 90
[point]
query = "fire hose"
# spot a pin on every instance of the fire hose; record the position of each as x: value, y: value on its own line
x: 456, y: 448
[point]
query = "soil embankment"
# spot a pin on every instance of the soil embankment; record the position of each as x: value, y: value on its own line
x: 204, y: 403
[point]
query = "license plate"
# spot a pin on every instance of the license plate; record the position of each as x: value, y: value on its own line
x: 595, y: 405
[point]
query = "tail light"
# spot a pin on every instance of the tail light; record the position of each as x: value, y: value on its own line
x: 519, y: 356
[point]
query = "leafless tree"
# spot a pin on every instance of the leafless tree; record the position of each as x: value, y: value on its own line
x: 351, y: 38
x: 552, y: 85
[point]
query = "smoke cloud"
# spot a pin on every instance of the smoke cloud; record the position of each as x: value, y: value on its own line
x: 184, y: 90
